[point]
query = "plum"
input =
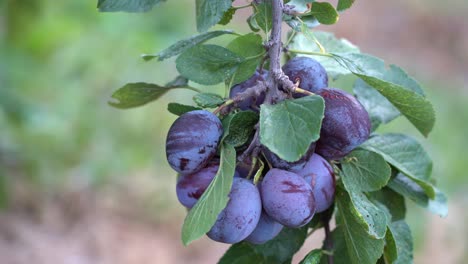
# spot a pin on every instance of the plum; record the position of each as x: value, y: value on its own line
x: 241, y: 215
x: 266, y: 229
x: 250, y: 103
x: 287, y: 198
x: 345, y: 126
x: 190, y: 187
x: 318, y: 173
x: 309, y: 72
x: 193, y: 140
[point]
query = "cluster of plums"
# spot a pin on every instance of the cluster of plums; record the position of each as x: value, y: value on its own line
x: 289, y: 193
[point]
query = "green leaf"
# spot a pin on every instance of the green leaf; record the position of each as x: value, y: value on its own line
x: 180, y: 109
x: 3, y: 190
x: 238, y: 127
x: 263, y: 15
x: 332, y: 44
x: 390, y: 249
x: 313, y: 257
x: 227, y: 17
x: 242, y: 253
x: 203, y: 215
x: 183, y: 45
x: 340, y: 251
x: 306, y: 21
x: 393, y: 83
x: 406, y: 154
x: 252, y: 22
x: 289, y: 127
x: 324, y: 12
x: 402, y: 241
x: 208, y: 64
x: 249, y: 45
x: 252, y: 54
x: 393, y: 201
x: 416, y: 108
x: 410, y: 189
x: 126, y: 5
x: 344, y: 4
x: 299, y: 5
x: 138, y: 94
x: 276, y: 251
x: 361, y: 248
x: 365, y: 171
x: 210, y: 12
x: 371, y: 215
x: 208, y: 100
x: 379, y: 108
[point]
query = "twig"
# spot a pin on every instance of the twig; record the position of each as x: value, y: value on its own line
x: 277, y: 77
x: 250, y: 92
x: 328, y: 240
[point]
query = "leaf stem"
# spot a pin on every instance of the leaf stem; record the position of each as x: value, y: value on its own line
x: 242, y: 6
x: 221, y: 107
x: 293, y: 33
x: 256, y: 56
x: 310, y: 53
x: 192, y: 88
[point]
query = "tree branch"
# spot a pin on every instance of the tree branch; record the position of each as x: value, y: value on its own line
x: 277, y: 78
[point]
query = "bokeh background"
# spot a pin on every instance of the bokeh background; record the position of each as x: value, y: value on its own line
x: 81, y: 182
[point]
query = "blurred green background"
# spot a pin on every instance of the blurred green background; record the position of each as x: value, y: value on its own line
x: 82, y: 182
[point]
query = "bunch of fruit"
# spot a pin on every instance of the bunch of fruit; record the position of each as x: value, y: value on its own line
x: 289, y: 193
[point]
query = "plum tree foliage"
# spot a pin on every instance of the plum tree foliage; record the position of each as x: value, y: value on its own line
x: 285, y: 153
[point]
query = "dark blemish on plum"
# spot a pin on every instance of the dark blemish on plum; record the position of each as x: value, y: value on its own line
x: 201, y: 151
x: 183, y: 163
x: 292, y: 188
x: 197, y: 194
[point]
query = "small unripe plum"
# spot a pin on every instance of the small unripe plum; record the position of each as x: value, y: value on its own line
x: 345, y: 126
x: 266, y: 230
x: 192, y: 141
x: 240, y: 216
x: 287, y: 198
x: 278, y: 163
x: 252, y: 103
x: 318, y: 173
x: 308, y: 72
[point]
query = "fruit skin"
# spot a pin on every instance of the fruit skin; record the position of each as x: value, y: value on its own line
x: 250, y: 103
x: 309, y: 72
x: 345, y: 126
x: 241, y: 215
x: 190, y: 187
x: 278, y: 163
x: 318, y: 173
x: 266, y: 230
x: 287, y: 198
x: 192, y: 141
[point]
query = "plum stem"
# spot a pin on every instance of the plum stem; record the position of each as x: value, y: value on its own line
x: 302, y: 91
